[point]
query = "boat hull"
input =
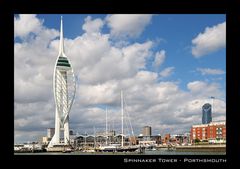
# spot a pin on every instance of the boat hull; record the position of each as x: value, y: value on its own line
x: 127, y: 149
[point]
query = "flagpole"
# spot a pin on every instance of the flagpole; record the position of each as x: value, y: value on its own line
x: 212, y: 105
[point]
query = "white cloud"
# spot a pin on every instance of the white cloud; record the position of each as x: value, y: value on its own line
x: 92, y: 26
x: 166, y: 72
x: 204, y: 89
x: 208, y: 71
x: 159, y: 58
x: 196, y: 86
x: 33, y: 99
x: 212, y: 39
x: 146, y: 76
x: 31, y: 76
x: 106, y: 62
x: 25, y: 24
x: 127, y: 25
x: 98, y: 94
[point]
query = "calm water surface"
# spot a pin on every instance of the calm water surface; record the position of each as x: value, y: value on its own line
x: 157, y: 152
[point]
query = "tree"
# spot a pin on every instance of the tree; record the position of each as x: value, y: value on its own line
x: 196, y: 140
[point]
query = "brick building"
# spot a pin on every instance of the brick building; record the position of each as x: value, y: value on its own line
x: 211, y: 131
x: 166, y: 138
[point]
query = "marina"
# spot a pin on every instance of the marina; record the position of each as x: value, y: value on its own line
x: 157, y: 150
x: 163, y: 151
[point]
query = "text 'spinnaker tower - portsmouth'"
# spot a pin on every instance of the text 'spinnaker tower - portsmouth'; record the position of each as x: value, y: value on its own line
x: 64, y: 88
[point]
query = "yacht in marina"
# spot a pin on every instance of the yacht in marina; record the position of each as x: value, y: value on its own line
x: 118, y: 147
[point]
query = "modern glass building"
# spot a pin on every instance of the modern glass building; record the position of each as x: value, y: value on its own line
x: 206, y: 113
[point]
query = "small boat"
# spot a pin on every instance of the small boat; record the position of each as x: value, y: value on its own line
x: 150, y: 149
x: 67, y: 150
x: 89, y: 151
x: 108, y: 148
x: 127, y: 149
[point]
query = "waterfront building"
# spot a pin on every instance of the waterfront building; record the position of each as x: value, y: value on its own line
x: 157, y: 139
x: 64, y: 88
x: 206, y: 113
x: 209, y: 132
x: 147, y: 142
x: 110, y: 133
x: 71, y: 132
x: 166, y: 138
x: 147, y: 131
x: 45, y: 140
x: 186, y: 138
x: 28, y: 147
x: 50, y: 132
x: 133, y: 140
x: 176, y: 138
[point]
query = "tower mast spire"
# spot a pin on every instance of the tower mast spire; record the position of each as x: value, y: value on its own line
x: 64, y: 89
x: 61, y: 44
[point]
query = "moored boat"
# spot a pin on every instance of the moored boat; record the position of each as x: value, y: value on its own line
x: 127, y: 148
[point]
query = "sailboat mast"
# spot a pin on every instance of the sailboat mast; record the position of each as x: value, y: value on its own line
x: 106, y: 126
x: 122, y: 114
x: 94, y: 137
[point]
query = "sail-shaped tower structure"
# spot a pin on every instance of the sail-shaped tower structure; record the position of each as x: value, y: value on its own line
x: 64, y: 89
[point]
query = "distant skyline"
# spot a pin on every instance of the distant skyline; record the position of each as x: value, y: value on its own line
x: 168, y: 66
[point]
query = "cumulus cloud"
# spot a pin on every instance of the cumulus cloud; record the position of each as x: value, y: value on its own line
x: 212, y: 39
x: 127, y: 25
x: 32, y: 78
x: 159, y: 58
x: 204, y: 89
x: 208, y: 71
x: 92, y: 26
x: 106, y: 62
x: 166, y: 72
x: 25, y: 24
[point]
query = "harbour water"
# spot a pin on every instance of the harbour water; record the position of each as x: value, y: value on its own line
x: 156, y: 152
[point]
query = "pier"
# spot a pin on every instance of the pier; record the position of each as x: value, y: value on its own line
x: 212, y: 148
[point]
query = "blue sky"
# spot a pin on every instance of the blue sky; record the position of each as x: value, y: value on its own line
x: 175, y: 33
x: 168, y: 65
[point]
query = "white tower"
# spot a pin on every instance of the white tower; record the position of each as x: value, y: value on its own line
x: 64, y: 88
